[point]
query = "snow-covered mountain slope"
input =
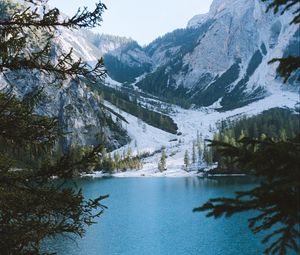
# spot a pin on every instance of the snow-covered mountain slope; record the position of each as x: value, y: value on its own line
x: 219, y: 63
x: 146, y: 138
x: 221, y: 57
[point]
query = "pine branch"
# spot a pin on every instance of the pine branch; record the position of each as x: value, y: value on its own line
x: 52, y: 18
x: 283, y: 6
x: 287, y: 66
x: 275, y: 198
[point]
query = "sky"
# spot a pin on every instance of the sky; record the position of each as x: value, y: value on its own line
x: 142, y: 20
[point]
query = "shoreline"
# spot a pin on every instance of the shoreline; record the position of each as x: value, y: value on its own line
x: 181, y: 174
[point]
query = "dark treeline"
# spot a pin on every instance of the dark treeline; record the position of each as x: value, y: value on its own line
x: 118, y: 161
x: 122, y: 72
x: 277, y: 124
x: 36, y: 154
x: 129, y: 103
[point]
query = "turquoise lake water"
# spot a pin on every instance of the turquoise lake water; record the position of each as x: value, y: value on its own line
x: 153, y: 216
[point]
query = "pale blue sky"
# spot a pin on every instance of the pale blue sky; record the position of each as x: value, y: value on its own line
x: 142, y: 20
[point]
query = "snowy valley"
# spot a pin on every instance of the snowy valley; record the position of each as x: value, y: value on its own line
x: 216, y: 69
x: 148, y: 139
x: 191, y: 79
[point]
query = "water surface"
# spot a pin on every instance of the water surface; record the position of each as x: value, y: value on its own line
x: 153, y: 216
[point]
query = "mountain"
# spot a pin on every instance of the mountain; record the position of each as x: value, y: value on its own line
x: 103, y: 42
x: 127, y: 62
x: 124, y: 58
x: 80, y: 111
x: 219, y: 61
x: 221, y: 58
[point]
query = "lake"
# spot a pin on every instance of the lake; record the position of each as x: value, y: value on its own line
x: 153, y: 216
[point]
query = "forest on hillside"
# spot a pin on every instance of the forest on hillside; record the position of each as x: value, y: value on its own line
x: 129, y: 103
x: 277, y: 124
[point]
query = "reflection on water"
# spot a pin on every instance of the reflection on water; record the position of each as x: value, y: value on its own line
x: 154, y: 216
x: 211, y: 182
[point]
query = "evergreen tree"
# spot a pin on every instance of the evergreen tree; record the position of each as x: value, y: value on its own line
x: 200, y: 151
x: 162, y: 166
x: 194, y: 156
x: 263, y: 136
x: 198, y: 139
x: 117, y: 157
x: 207, y: 154
x: 32, y: 207
x: 186, y: 160
x: 129, y: 152
x: 283, y: 135
x: 255, y: 131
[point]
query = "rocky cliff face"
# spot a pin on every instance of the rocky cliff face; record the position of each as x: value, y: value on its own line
x: 79, y: 110
x: 221, y: 58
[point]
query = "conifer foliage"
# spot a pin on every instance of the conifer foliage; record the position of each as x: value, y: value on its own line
x: 276, y: 198
x: 32, y: 207
x: 186, y: 160
x: 162, y: 164
x: 287, y: 65
x: 278, y: 124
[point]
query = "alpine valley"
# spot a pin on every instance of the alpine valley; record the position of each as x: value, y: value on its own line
x: 164, y: 99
